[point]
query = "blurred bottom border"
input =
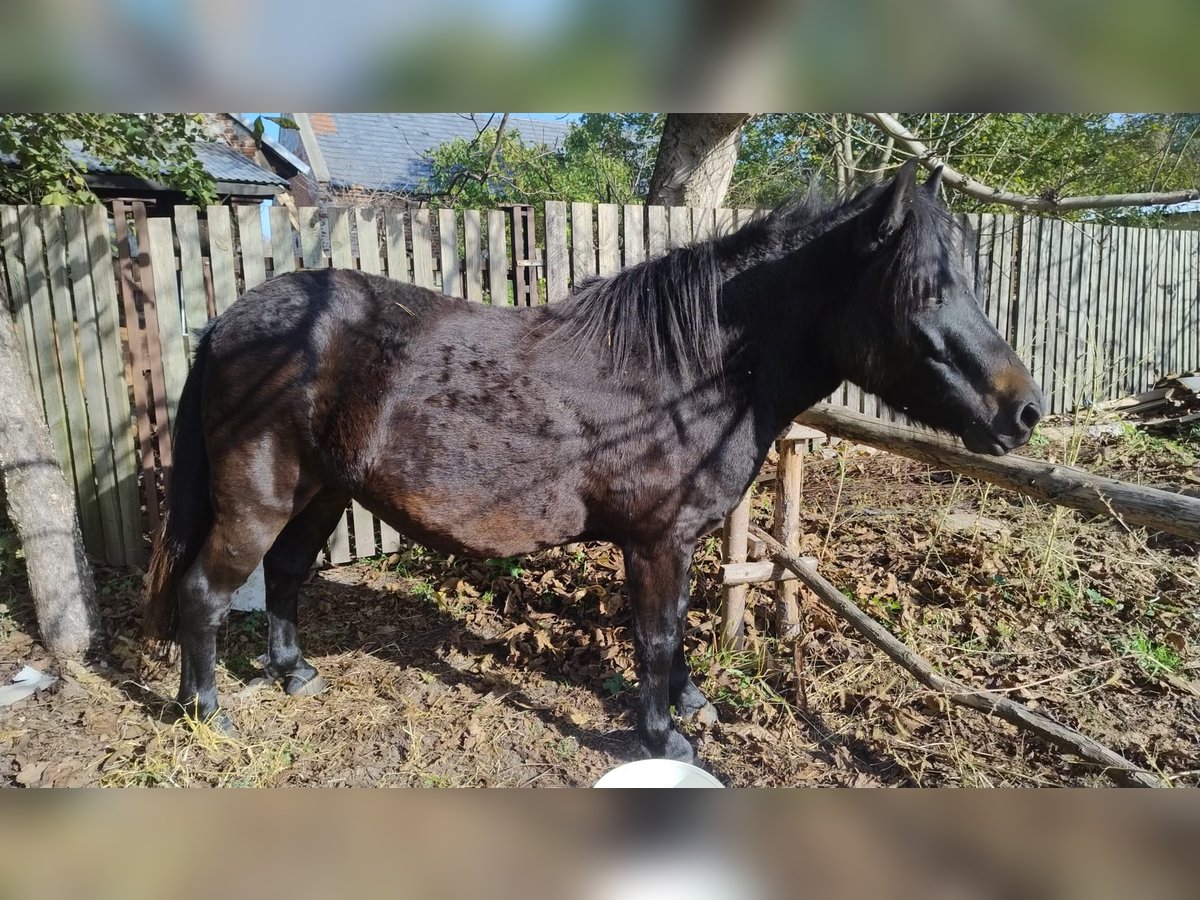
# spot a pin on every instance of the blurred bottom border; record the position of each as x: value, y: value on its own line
x: 601, y: 845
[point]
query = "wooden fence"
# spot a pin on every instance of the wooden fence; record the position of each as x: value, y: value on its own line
x: 106, y: 300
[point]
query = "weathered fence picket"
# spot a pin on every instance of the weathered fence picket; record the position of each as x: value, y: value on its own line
x: 1095, y: 310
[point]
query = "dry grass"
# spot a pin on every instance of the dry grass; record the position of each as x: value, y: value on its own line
x: 450, y: 672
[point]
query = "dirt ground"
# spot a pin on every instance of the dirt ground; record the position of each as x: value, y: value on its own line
x: 458, y: 672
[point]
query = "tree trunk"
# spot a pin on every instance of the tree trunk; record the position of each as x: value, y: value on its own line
x: 42, y: 507
x: 696, y: 155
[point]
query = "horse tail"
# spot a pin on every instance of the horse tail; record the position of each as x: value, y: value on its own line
x: 188, y: 516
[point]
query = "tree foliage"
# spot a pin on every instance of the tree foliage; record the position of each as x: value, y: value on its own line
x: 608, y: 157
x: 605, y: 157
x: 45, y: 155
x: 1048, y: 155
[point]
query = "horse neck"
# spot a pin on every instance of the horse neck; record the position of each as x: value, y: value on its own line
x: 782, y: 312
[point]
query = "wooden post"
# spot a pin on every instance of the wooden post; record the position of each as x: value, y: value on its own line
x: 789, y: 473
x: 734, y: 546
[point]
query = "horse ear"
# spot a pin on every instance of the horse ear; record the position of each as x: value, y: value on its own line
x: 934, y: 182
x: 894, y: 204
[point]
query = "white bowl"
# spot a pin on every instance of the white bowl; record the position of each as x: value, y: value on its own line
x: 657, y: 773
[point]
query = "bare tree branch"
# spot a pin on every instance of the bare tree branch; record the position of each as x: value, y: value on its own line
x: 1049, y: 203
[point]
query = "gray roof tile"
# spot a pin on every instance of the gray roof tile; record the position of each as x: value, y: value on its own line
x: 389, y: 151
x: 224, y: 163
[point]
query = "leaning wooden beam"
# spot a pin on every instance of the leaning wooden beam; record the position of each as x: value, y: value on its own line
x: 1065, y: 485
x: 1115, y: 766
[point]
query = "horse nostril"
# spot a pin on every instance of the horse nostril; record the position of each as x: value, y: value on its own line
x: 1030, y: 415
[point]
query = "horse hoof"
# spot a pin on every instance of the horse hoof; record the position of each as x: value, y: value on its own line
x: 302, y: 685
x: 222, y: 725
x: 677, y: 747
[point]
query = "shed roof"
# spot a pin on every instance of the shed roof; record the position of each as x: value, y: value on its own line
x: 390, y: 151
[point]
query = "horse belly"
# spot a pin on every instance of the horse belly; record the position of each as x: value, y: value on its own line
x: 468, y: 520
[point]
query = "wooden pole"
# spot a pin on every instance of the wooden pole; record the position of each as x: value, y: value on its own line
x: 1067, y: 486
x: 1068, y: 739
x: 789, y: 473
x: 733, y: 606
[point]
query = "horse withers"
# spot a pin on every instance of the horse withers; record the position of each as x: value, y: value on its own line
x: 636, y: 411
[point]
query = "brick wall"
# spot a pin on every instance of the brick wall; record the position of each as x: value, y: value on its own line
x: 225, y: 128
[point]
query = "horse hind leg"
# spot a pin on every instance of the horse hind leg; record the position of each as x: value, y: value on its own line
x: 286, y: 567
x: 233, y: 549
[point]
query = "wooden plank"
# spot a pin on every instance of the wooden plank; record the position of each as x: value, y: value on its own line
x: 220, y: 252
x: 91, y: 364
x: 1192, y: 330
x: 704, y: 223
x: 161, y: 247
x: 1089, y: 312
x: 250, y: 239
x: 422, y: 242
x: 1138, y: 288
x: 448, y: 242
x: 583, y: 243
x: 65, y: 346
x: 497, y: 258
x: 1025, y: 287
x: 366, y: 226
x: 1066, y: 351
x: 609, y: 238
x: 634, y: 226
x: 1185, y: 299
x: 18, y: 288
x: 312, y: 254
x: 1058, y: 257
x: 473, y: 249
x: 339, y: 543
x: 1179, y: 278
x: 725, y: 221
x: 158, y: 381
x: 191, y: 274
x: 397, y: 246
x: 283, y: 241
x: 1104, y: 381
x: 340, y: 252
x: 113, y: 362
x: 656, y: 231
x: 1007, y: 226
x: 680, y: 221
x: 38, y: 291
x: 1190, y: 318
x: 765, y: 570
x: 1125, y: 272
x: 558, y: 260
x: 797, y: 432
x: 985, y: 234
x: 1158, y: 271
x: 1188, y: 353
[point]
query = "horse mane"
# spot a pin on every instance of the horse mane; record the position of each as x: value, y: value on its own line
x: 662, y: 312
x: 665, y: 312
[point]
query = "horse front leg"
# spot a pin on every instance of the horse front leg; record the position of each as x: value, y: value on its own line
x: 658, y: 587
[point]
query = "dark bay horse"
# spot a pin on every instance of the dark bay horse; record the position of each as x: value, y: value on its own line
x: 637, y: 411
